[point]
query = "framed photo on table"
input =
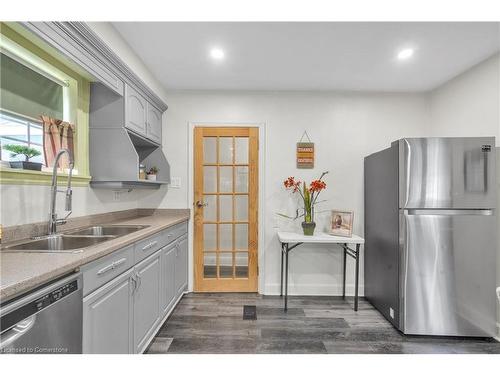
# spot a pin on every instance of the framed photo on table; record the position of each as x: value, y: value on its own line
x: 341, y: 223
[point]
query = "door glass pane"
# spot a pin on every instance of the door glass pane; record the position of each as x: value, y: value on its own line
x: 209, y: 265
x: 241, y: 264
x: 209, y: 239
x: 225, y: 237
x: 226, y: 265
x: 241, y: 207
x: 210, y: 210
x: 209, y: 150
x: 241, y: 183
x: 241, y: 152
x: 226, y: 150
x: 210, y: 179
x: 226, y: 207
x: 241, y: 236
x: 226, y: 179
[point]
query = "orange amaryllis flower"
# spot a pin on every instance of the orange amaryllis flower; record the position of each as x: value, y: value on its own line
x: 290, y: 183
x: 317, y: 186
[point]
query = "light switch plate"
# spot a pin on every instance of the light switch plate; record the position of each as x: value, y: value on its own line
x: 391, y: 312
x: 175, y: 182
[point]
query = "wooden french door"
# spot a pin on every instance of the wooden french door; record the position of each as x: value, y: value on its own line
x: 225, y: 209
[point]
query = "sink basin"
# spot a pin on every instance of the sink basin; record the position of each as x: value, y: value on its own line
x: 58, y: 244
x: 107, y: 230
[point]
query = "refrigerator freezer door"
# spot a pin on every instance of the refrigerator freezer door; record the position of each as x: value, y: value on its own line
x: 447, y: 173
x: 448, y: 272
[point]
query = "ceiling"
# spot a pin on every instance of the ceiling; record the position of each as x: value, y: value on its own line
x: 309, y: 56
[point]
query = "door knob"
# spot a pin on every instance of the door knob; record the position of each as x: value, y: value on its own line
x: 200, y: 204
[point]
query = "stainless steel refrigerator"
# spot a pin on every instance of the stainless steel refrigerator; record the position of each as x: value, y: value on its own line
x: 430, y: 231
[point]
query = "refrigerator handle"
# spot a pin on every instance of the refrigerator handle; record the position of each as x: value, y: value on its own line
x: 449, y: 212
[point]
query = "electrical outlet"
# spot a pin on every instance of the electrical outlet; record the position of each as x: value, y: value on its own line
x: 117, y: 195
x: 391, y: 312
x: 175, y: 182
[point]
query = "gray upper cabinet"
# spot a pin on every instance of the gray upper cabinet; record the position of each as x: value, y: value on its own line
x: 153, y: 123
x: 146, y: 300
x: 135, y: 111
x: 181, y: 265
x: 108, y: 317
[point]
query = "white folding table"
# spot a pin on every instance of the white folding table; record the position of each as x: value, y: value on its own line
x: 290, y: 240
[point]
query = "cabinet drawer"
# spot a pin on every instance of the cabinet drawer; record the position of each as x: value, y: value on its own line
x: 149, y: 245
x: 175, y: 232
x: 103, y: 270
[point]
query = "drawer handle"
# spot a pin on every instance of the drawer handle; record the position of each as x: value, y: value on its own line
x: 150, y: 245
x: 111, y: 266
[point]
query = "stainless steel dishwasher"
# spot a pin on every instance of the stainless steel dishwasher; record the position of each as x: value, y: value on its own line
x: 47, y: 320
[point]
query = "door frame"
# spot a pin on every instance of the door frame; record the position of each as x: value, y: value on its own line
x: 261, y: 206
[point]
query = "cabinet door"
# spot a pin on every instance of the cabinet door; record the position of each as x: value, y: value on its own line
x: 146, y: 299
x: 168, y: 290
x: 181, y: 265
x: 153, y: 129
x: 135, y: 111
x: 108, y: 317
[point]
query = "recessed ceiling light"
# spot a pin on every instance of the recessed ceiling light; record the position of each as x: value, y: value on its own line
x: 217, y: 54
x: 405, y: 53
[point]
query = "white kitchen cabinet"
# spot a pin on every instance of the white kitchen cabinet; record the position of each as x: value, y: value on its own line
x: 168, y: 291
x: 135, y: 111
x: 181, y: 265
x: 146, y: 300
x: 153, y: 123
x: 108, y: 317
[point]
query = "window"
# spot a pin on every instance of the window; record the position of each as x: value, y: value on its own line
x: 47, y: 85
x: 20, y: 131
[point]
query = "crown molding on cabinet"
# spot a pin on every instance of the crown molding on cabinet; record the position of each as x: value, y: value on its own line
x: 77, y: 41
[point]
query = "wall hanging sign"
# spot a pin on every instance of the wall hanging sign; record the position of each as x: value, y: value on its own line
x: 305, y: 153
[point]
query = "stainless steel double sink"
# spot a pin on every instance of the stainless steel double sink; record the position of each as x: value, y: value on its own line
x: 74, y: 241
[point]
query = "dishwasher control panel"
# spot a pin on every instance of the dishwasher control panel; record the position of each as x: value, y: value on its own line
x: 56, y: 295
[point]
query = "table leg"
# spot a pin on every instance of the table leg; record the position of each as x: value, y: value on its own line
x: 281, y: 274
x: 286, y: 277
x: 357, y: 279
x: 343, y: 274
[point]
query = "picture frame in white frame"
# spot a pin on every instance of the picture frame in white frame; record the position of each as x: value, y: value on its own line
x: 341, y: 223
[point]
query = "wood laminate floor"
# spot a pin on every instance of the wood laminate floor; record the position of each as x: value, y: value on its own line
x: 213, y: 323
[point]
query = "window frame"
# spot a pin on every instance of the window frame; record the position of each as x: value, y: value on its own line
x: 75, y: 109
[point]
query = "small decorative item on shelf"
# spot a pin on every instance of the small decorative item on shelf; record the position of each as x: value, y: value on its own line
x: 341, y: 223
x: 153, y: 171
x: 309, y: 195
x: 142, y: 172
x: 28, y: 153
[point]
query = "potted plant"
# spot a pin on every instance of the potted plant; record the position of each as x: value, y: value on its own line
x: 151, y: 175
x: 28, y: 153
x: 309, y: 195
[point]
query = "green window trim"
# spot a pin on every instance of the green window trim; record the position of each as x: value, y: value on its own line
x: 82, y: 105
x: 10, y: 176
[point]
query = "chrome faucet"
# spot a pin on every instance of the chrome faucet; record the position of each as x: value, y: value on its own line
x: 53, y: 220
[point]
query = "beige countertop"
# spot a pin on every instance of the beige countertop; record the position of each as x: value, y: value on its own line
x: 20, y: 272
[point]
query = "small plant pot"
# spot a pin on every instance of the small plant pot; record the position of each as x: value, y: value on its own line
x: 151, y: 177
x: 29, y: 165
x: 308, y: 228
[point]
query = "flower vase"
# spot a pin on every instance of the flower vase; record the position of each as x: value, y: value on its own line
x: 308, y: 228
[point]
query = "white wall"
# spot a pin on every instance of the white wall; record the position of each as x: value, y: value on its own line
x: 345, y: 128
x: 24, y: 204
x: 467, y: 106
